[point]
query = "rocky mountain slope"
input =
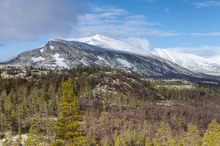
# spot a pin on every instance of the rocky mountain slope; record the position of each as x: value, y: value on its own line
x: 60, y: 54
x: 189, y: 61
x: 69, y: 54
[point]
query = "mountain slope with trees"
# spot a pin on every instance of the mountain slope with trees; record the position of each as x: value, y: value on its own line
x: 117, y: 109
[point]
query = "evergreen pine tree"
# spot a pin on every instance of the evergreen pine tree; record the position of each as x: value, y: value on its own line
x: 164, y: 136
x: 210, y: 135
x: 193, y: 136
x: 68, y: 124
x: 35, y: 137
x: 216, y: 137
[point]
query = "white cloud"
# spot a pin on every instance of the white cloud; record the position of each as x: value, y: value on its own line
x: 31, y: 19
x: 206, y: 34
x: 203, y: 51
x: 119, y: 22
x: 140, y: 43
x: 112, y: 9
x: 206, y: 4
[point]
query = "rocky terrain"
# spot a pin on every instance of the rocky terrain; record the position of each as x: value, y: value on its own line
x: 63, y: 54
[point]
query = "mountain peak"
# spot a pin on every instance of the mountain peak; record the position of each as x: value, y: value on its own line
x: 98, y: 36
x: 111, y: 43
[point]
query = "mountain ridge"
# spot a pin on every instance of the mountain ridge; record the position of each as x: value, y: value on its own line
x: 189, y: 61
x: 111, y: 43
x: 61, y: 54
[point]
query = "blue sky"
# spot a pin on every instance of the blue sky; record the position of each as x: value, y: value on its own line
x: 188, y: 25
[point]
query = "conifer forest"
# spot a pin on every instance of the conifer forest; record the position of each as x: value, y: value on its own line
x: 99, y: 106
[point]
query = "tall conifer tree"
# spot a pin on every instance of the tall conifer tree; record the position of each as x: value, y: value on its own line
x: 68, y: 124
x: 212, y: 134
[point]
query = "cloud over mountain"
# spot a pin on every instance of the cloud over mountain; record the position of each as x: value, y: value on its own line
x: 31, y: 19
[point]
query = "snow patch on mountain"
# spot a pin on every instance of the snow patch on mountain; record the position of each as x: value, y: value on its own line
x: 124, y: 62
x: 84, y: 62
x: 102, y: 59
x: 36, y: 59
x: 50, y: 65
x: 42, y: 50
x: 51, y: 47
x: 59, y: 61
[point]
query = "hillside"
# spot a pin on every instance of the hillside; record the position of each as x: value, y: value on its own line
x: 62, y: 54
x: 116, y: 97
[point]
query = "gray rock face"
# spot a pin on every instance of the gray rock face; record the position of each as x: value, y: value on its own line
x: 60, y: 54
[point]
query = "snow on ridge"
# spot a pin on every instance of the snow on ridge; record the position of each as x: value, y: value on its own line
x: 36, y: 59
x: 186, y: 60
x: 100, y: 58
x: 110, y: 43
x: 124, y: 62
x: 51, y: 47
x: 216, y: 59
x: 178, y: 57
x: 44, y: 48
x: 189, y: 61
x: 60, y: 61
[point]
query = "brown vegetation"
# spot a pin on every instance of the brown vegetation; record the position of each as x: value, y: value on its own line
x: 113, y: 105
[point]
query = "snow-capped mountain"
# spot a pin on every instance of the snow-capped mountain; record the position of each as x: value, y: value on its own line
x: 190, y: 61
x: 111, y: 43
x: 70, y: 54
x: 107, y: 52
x: 216, y: 59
